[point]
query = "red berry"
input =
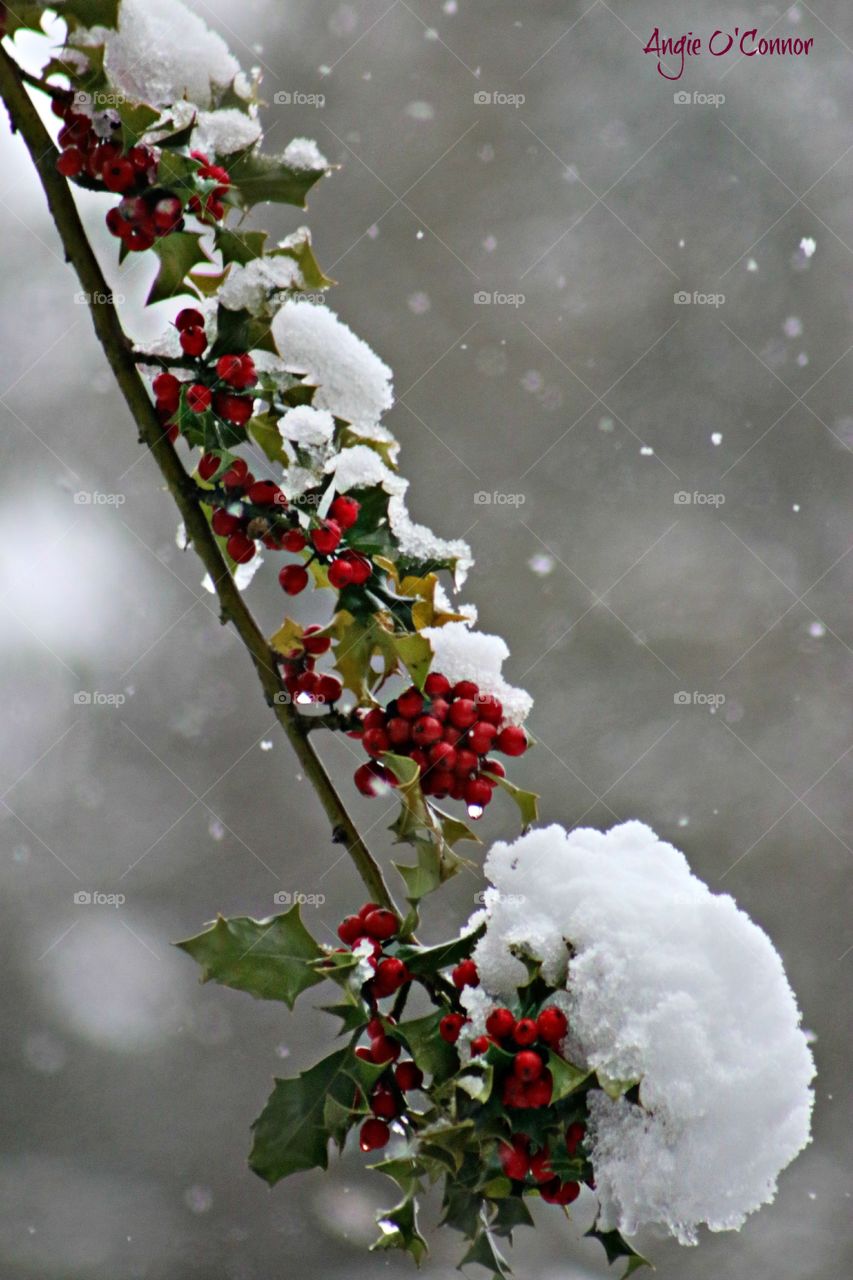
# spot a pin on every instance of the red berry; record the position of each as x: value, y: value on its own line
x: 477, y: 792
x: 198, y: 398
x: 515, y: 1160
x: 527, y: 1066
x: 450, y: 1026
x: 383, y: 1048
x: 481, y: 737
x: 552, y: 1025
x: 167, y: 389
x: 293, y: 579
x: 480, y: 1044
x: 466, y: 761
x: 495, y: 767
x: 381, y: 924
x: 489, y: 709
x: 514, y: 1093
x: 373, y: 778
x: 540, y: 1091
x: 525, y: 1031
x: 465, y: 974
x: 574, y: 1136
x: 436, y: 685
x: 410, y: 704
x: 500, y: 1023
x: 441, y: 754
x: 465, y: 689
x: 234, y: 409
x: 425, y: 730
x: 209, y: 464
x: 264, y: 493
x: 193, y: 340
x: 557, y: 1192
x: 512, y: 740
x: 340, y: 574
x: 398, y: 731
x: 540, y: 1166
x: 329, y: 689
x: 315, y: 643
x: 408, y: 1076
x: 462, y: 713
x: 189, y: 318
x: 118, y: 175
x: 344, y: 511
x: 70, y: 162
x: 361, y: 567
x: 240, y: 548
x: 116, y: 224
x: 349, y: 929
x: 167, y: 214
x: 224, y: 523
x: 293, y: 540
x: 137, y: 240
x: 384, y: 1104
x: 326, y: 537
x: 375, y: 742
x: 364, y: 912
x: 374, y: 1134
x: 237, y: 474
x: 230, y: 370
x: 375, y: 719
x: 390, y: 975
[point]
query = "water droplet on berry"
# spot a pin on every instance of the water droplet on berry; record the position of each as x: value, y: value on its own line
x: 475, y: 811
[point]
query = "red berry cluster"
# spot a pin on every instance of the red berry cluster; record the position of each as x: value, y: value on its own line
x: 147, y: 210
x: 448, y: 731
x: 216, y: 387
x: 344, y: 566
x: 519, y: 1162
x: 376, y: 925
x: 387, y: 1098
x: 301, y: 681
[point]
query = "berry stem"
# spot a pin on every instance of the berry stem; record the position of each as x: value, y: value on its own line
x: 25, y: 120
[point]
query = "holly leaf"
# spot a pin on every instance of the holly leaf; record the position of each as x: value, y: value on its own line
x: 615, y: 1088
x: 178, y: 254
x: 399, y: 1228
x: 566, y: 1077
x: 240, y: 331
x: 271, y: 959
x: 22, y: 17
x: 302, y: 252
x: 427, y: 961
x: 263, y: 429
x: 527, y: 801
x: 287, y: 638
x: 406, y: 1171
x: 89, y: 13
x: 616, y: 1247
x: 239, y: 246
x: 511, y: 1212
x: 454, y: 829
x: 485, y: 1253
x: 258, y: 178
x: 136, y: 119
x: 292, y: 1131
x: 432, y: 1054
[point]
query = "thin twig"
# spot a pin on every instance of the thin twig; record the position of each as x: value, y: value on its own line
x: 122, y: 360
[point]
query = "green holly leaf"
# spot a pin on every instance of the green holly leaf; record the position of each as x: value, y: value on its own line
x: 271, y: 959
x: 352, y: 1016
x: 432, y: 1054
x: 178, y: 254
x: 454, y: 829
x: 527, y: 801
x: 176, y: 139
x: 21, y: 17
x: 485, y: 1253
x: 136, y: 119
x: 447, y: 1143
x: 406, y: 1171
x: 511, y: 1212
x: 239, y: 246
x: 399, y: 1227
x: 566, y: 1077
x: 88, y: 13
x: 292, y: 1132
x: 616, y: 1247
x: 476, y: 1080
x: 615, y: 1088
x: 427, y: 961
x: 177, y: 173
x: 302, y: 253
x: 240, y: 331
x: 256, y: 178
x: 263, y: 429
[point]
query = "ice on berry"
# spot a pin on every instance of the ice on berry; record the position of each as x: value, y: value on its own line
x: 670, y: 985
x: 162, y: 52
x: 461, y: 653
x: 303, y: 153
x: 352, y: 382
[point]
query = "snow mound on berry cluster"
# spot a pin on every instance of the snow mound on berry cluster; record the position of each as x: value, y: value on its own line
x: 361, y: 467
x: 163, y: 52
x: 670, y: 985
x: 462, y: 654
x: 352, y: 382
x: 256, y: 285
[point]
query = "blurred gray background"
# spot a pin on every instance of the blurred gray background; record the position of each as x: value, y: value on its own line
x: 592, y: 403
